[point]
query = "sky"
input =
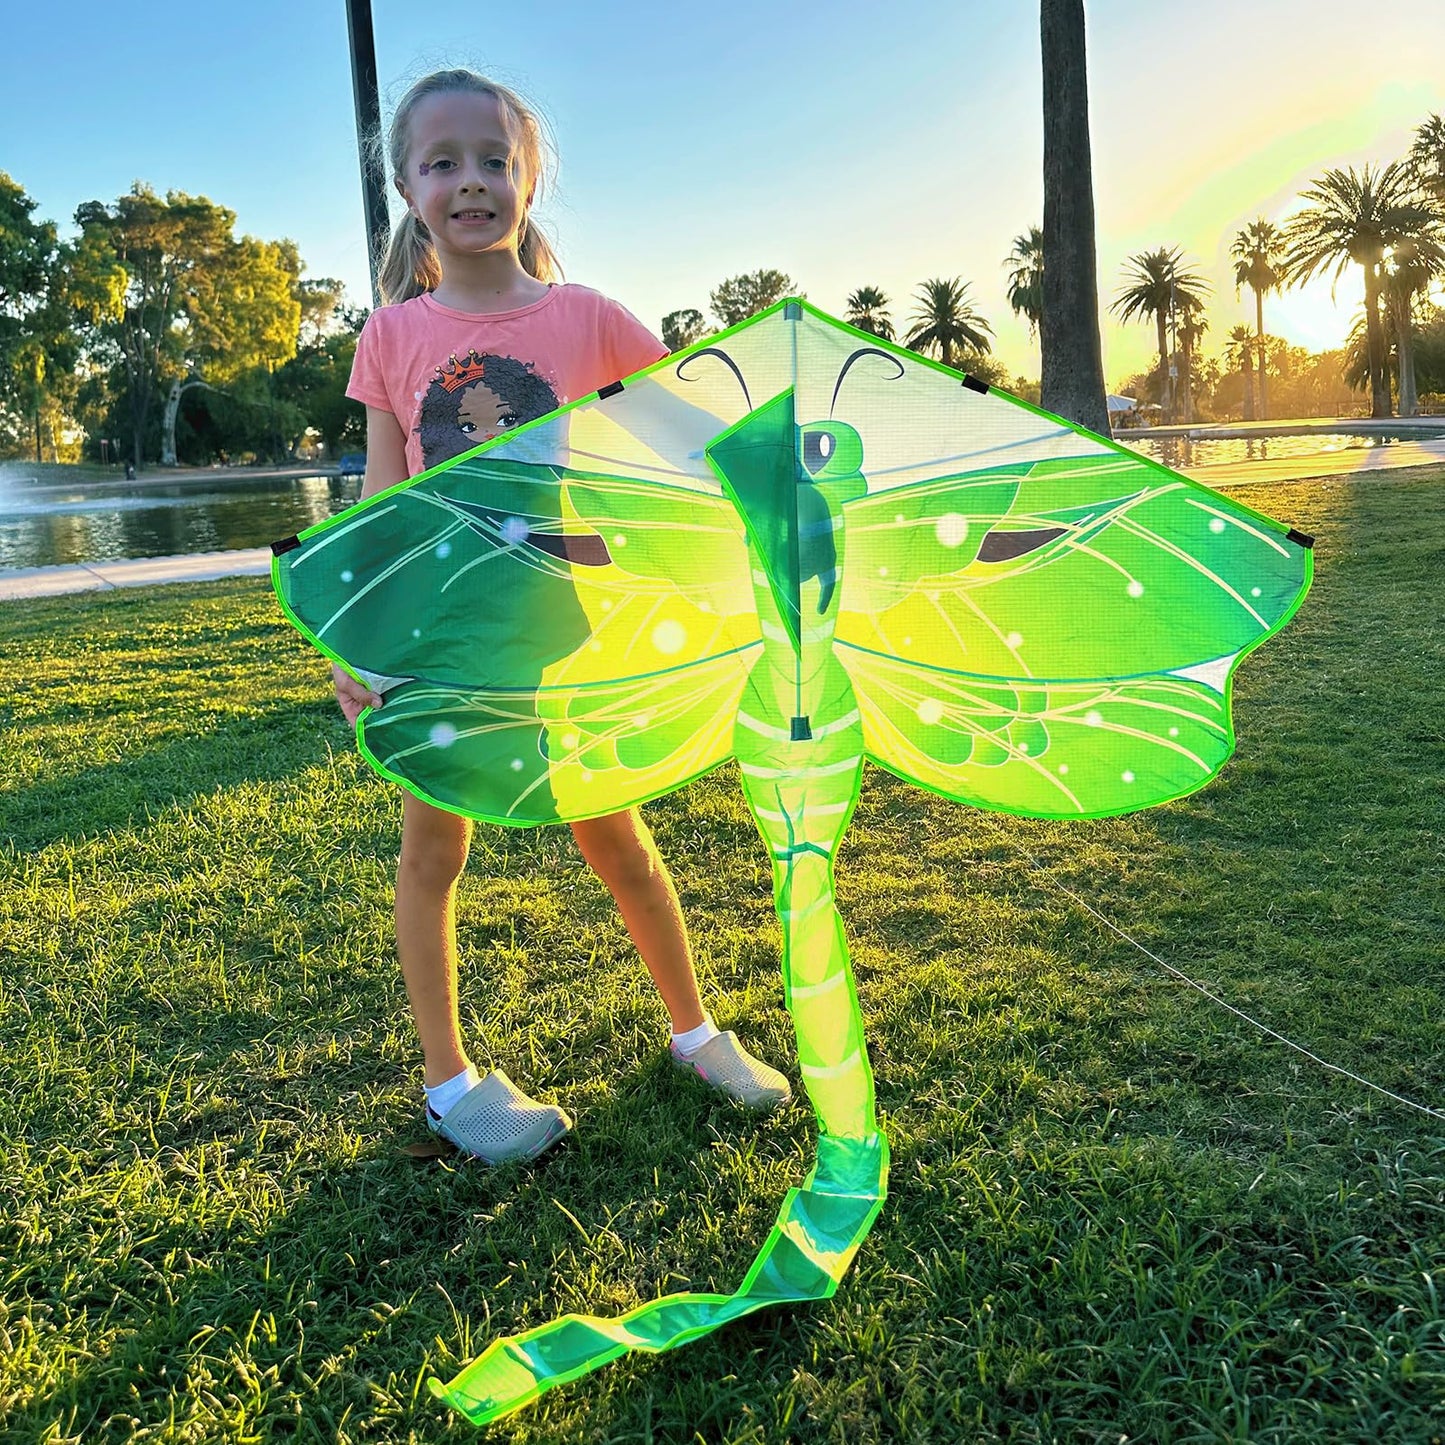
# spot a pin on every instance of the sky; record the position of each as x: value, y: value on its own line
x: 844, y: 142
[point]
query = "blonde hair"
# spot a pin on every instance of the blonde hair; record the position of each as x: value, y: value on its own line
x: 410, y: 266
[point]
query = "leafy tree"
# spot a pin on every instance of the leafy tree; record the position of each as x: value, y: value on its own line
x: 682, y: 328
x: 1159, y: 287
x: 192, y: 298
x: 37, y: 354
x: 1430, y: 353
x: 1026, y: 278
x: 320, y: 299
x: 1353, y: 219
x: 945, y: 322
x: 868, y: 311
x: 742, y: 296
x: 1073, y: 367
x: 1258, y: 258
x: 314, y: 382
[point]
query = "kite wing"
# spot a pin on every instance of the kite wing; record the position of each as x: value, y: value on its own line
x: 552, y: 644
x: 1057, y: 638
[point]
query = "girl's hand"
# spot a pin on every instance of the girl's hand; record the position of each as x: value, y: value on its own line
x: 352, y: 696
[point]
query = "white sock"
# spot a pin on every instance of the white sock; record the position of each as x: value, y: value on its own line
x: 690, y: 1042
x: 451, y: 1091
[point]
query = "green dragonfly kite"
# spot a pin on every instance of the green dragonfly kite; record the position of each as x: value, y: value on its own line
x: 798, y: 547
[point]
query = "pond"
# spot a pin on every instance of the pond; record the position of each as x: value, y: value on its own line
x: 1183, y: 451
x: 45, y: 523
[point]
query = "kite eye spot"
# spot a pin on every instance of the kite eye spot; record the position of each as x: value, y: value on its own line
x: 1063, y: 768
x: 514, y: 530
x: 1094, y: 719
x: 817, y: 448
x: 443, y: 550
x: 1136, y: 589
x: 517, y: 765
x: 1216, y: 524
x: 1014, y: 641
x: 1254, y: 592
x: 443, y: 735
x: 346, y: 577
x: 1127, y: 777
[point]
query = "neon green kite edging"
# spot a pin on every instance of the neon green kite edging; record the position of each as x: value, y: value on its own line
x: 796, y: 546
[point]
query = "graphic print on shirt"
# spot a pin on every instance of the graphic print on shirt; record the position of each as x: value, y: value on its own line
x: 472, y: 400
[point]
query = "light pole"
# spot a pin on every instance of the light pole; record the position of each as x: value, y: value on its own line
x: 368, y: 128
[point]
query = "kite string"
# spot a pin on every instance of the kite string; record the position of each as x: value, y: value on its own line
x: 1214, y: 998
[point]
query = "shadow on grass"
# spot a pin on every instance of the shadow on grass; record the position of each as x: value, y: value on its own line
x: 217, y: 1307
x: 114, y: 797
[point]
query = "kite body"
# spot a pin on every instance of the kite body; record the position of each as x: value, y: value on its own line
x: 800, y: 548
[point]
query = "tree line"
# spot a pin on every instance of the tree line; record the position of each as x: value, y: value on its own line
x: 1389, y: 220
x: 157, y: 334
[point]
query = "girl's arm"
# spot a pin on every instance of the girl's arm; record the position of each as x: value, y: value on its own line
x: 385, y: 452
x: 385, y: 467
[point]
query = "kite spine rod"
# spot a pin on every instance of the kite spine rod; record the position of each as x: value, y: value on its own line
x: 1040, y: 867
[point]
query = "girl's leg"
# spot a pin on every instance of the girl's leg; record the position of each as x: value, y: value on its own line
x: 434, y: 848
x: 620, y: 850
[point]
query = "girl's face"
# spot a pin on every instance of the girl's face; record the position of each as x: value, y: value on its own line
x: 461, y: 179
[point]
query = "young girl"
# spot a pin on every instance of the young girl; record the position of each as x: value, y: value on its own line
x: 475, y: 339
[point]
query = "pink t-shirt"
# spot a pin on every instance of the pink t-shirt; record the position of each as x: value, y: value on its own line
x: 454, y: 379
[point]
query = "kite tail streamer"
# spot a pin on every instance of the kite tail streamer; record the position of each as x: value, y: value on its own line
x: 821, y: 1224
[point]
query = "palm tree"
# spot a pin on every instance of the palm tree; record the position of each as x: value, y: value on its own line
x: 1257, y: 260
x: 1073, y: 366
x: 1026, y: 280
x: 1354, y: 219
x: 1158, y: 285
x: 1191, y: 326
x: 1413, y: 266
x: 1239, y: 356
x: 867, y: 310
x: 1427, y: 155
x: 945, y: 322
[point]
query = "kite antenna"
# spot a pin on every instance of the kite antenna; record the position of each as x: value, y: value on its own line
x: 722, y: 356
x: 858, y: 356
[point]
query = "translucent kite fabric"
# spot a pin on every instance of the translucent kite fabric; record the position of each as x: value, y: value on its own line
x: 795, y: 546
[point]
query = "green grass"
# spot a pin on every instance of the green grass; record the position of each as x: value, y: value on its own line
x: 1117, y: 1213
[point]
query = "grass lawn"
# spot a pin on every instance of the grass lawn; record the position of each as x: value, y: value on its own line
x: 1117, y: 1213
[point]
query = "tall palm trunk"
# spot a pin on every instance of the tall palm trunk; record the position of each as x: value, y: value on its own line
x: 1247, y: 366
x: 1259, y: 332
x: 1073, y: 366
x: 1166, y: 387
x: 1405, y: 350
x: 1375, y: 339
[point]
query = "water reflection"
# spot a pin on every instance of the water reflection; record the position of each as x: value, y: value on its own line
x: 45, y: 524
x: 1183, y: 451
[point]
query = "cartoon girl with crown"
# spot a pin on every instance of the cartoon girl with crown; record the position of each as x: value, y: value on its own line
x: 469, y: 402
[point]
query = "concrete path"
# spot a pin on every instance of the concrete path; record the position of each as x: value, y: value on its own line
x: 133, y: 572
x: 255, y: 562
